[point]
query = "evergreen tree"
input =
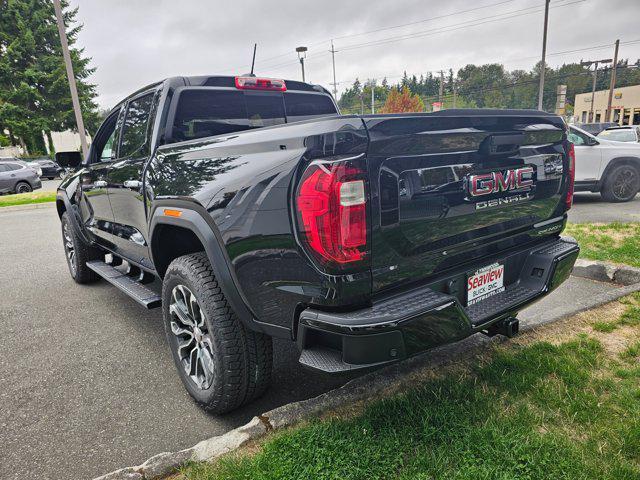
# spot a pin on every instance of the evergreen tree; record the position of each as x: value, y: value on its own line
x: 34, y: 93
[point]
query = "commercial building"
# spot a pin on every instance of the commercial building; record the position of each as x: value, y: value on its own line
x: 625, y: 106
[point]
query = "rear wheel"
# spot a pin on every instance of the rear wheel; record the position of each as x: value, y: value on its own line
x: 222, y: 364
x: 621, y: 184
x: 78, y: 253
x: 23, y: 187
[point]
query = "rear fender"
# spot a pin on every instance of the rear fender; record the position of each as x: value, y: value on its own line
x: 196, y: 219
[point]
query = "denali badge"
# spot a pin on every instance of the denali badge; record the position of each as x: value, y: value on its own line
x: 496, y: 182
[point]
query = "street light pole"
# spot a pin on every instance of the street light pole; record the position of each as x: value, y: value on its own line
x: 544, y: 54
x: 302, y: 54
x: 71, y: 78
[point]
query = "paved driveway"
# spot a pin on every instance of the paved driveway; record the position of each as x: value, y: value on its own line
x: 589, y: 208
x: 87, y: 384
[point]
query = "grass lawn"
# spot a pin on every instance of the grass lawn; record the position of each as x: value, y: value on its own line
x: 27, y: 198
x: 562, y: 402
x: 611, y: 242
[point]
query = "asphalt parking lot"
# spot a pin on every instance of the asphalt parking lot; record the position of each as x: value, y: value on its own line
x: 589, y: 208
x: 87, y: 383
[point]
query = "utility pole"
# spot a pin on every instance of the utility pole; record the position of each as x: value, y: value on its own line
x: 71, y: 78
x: 302, y: 54
x: 612, y: 85
x: 455, y: 93
x: 373, y: 96
x: 595, y: 78
x: 544, y: 54
x: 441, y: 90
x: 333, y: 61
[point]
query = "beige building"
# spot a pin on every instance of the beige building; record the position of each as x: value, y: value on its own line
x: 625, y: 106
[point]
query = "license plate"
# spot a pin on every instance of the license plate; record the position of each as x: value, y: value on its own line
x: 484, y: 283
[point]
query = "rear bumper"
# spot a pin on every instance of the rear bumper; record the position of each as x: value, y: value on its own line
x: 412, y: 322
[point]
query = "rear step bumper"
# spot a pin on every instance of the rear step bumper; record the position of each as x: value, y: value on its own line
x: 415, y: 321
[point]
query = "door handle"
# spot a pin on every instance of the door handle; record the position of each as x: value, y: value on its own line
x: 100, y: 184
x: 133, y: 184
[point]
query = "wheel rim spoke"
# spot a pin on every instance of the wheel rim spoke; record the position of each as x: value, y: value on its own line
x: 194, y: 346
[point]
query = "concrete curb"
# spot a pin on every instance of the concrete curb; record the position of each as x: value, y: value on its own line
x: 369, y: 386
x: 30, y: 206
x: 606, y: 272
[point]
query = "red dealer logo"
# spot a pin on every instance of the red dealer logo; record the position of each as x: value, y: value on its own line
x: 488, y: 277
x: 496, y: 182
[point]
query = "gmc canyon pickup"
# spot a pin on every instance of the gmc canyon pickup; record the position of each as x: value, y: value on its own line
x: 247, y: 208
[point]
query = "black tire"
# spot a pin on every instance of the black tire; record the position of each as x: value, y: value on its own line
x: 621, y: 184
x: 23, y: 187
x: 240, y: 359
x: 78, y: 253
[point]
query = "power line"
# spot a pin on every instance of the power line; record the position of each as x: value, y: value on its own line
x: 459, y: 26
x: 510, y: 60
x: 439, y: 17
x: 435, y: 31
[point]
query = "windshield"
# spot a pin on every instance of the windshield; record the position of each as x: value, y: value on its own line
x: 207, y: 112
x: 619, y: 135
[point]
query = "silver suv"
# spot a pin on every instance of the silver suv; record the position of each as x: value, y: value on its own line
x: 17, y: 177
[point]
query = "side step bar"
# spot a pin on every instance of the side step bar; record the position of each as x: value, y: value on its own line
x: 136, y: 290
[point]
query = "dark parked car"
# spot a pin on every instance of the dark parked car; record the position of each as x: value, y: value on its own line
x: 50, y: 169
x: 17, y: 177
x: 364, y: 239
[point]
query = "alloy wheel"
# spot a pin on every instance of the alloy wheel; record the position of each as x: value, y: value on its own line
x: 23, y: 188
x: 624, y: 183
x: 193, y: 339
x: 69, y: 248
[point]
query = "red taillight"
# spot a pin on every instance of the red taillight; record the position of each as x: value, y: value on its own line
x: 254, y: 83
x: 331, y: 203
x: 572, y: 175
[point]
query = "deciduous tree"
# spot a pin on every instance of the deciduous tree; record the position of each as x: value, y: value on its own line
x: 402, y: 101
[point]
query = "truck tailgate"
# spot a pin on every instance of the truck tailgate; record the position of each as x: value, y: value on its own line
x: 448, y: 189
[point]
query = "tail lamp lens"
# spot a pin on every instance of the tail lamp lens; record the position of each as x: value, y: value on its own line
x: 331, y: 203
x: 572, y: 175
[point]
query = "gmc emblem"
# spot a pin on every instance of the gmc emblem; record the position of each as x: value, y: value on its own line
x: 496, y: 182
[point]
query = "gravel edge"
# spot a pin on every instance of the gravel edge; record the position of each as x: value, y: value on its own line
x: 367, y: 386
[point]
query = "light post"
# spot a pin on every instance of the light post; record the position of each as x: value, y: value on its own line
x: 302, y: 54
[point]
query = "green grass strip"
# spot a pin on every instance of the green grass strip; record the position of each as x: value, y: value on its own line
x: 612, y: 242
x: 27, y: 198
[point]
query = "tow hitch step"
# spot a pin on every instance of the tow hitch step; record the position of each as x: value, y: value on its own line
x: 131, y: 286
x: 508, y: 327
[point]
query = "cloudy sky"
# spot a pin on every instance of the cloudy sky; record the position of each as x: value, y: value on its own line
x: 136, y: 42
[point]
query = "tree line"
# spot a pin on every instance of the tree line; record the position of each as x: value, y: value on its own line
x: 487, y: 86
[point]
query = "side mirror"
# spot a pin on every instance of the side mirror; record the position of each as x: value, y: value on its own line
x: 71, y: 160
x: 592, y: 141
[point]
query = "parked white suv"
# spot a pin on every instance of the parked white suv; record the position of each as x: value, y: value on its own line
x: 609, y: 167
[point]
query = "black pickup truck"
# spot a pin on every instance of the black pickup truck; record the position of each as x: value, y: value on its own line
x: 248, y: 208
